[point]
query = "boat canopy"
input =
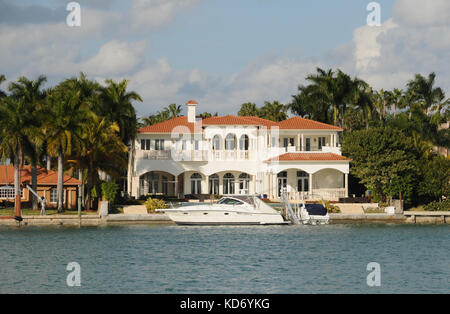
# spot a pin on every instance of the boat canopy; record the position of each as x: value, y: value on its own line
x: 316, y: 209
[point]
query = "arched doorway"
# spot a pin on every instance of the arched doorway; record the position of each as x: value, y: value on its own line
x: 214, y: 184
x: 244, y: 184
x: 282, y: 182
x: 228, y: 184
x: 196, y: 183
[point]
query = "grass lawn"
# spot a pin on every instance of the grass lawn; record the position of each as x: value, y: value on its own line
x: 29, y: 212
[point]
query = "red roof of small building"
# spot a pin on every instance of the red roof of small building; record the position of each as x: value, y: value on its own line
x: 309, y: 157
x: 44, y: 176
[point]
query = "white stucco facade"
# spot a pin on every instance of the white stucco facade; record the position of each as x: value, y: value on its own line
x: 236, y: 156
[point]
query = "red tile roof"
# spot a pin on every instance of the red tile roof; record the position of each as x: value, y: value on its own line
x: 295, y: 123
x: 192, y: 102
x: 169, y: 126
x: 309, y: 157
x: 44, y: 176
x: 298, y: 123
x: 229, y: 120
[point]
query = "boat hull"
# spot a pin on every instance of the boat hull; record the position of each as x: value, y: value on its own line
x: 223, y: 218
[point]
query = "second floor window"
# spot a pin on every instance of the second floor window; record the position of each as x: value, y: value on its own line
x: 230, y: 142
x: 159, y: 144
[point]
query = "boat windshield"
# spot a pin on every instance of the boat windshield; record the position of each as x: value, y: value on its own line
x: 229, y: 201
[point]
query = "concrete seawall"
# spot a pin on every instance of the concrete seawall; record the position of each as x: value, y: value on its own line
x: 133, y: 219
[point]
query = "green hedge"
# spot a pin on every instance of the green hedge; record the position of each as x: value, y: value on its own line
x: 438, y: 206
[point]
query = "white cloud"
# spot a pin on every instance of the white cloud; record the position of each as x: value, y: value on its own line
x: 116, y: 58
x: 422, y: 13
x: 154, y: 13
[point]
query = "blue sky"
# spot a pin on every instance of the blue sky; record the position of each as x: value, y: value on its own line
x: 224, y: 52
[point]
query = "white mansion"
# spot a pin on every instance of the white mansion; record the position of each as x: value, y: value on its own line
x: 238, y: 155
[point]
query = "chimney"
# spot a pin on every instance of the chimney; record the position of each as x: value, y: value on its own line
x: 191, y: 104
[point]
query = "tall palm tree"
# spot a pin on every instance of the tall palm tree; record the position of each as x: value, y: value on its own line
x: 328, y: 91
x: 248, y: 109
x: 396, y: 97
x: 424, y: 90
x: 15, y: 132
x: 101, y: 150
x: 31, y: 95
x: 64, y: 126
x: 273, y: 111
x: 116, y: 103
x: 382, y: 101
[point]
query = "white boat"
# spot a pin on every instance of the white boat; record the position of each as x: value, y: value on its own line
x: 229, y: 210
x: 313, y: 214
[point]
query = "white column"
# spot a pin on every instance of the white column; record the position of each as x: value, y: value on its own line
x: 303, y: 143
x: 175, y: 188
x: 310, y: 183
x: 346, y: 184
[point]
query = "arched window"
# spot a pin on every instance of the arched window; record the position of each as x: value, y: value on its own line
x: 243, y: 142
x: 282, y: 182
x: 214, y: 184
x: 196, y: 183
x: 244, y: 183
x: 228, y: 184
x: 216, y: 142
x: 302, y: 181
x: 230, y: 142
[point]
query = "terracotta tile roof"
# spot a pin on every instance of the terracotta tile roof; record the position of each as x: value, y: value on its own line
x: 168, y: 126
x: 298, y: 123
x: 229, y: 120
x: 309, y: 157
x: 192, y: 102
x: 261, y: 121
x: 295, y: 123
x: 44, y: 176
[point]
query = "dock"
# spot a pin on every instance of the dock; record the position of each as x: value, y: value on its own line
x: 427, y: 217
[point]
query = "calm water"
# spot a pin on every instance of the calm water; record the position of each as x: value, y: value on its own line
x: 173, y: 259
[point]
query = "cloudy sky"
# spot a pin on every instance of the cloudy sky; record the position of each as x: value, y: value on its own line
x: 223, y: 53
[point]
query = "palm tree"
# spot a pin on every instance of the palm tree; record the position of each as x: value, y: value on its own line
x: 174, y: 111
x: 424, y: 90
x: 32, y: 96
x: 382, y: 101
x: 205, y: 115
x: 273, y: 111
x: 327, y: 91
x: 116, y: 104
x: 2, y: 93
x: 64, y: 126
x: 249, y: 109
x: 396, y: 97
x: 15, y: 132
x: 102, y: 150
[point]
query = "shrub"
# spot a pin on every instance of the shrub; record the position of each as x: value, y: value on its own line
x: 109, y: 190
x: 332, y: 208
x: 152, y: 204
x: 438, y: 206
